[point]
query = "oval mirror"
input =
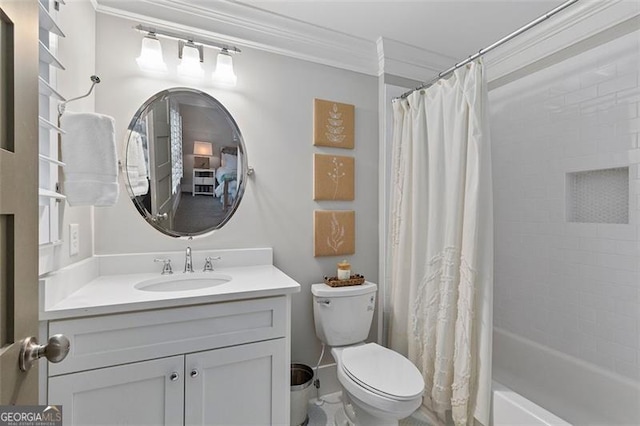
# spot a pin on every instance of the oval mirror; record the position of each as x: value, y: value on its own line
x: 185, y: 162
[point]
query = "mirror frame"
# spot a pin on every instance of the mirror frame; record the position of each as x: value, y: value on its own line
x: 241, y: 146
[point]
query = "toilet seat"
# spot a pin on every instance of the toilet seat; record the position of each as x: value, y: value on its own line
x: 382, y: 371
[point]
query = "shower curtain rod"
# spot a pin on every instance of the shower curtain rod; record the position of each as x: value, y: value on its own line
x: 489, y: 48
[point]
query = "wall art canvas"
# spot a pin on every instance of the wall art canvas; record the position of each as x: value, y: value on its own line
x: 334, y: 232
x: 333, y: 177
x: 333, y: 124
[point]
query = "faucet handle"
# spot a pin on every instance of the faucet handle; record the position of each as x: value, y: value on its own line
x: 208, y: 264
x: 166, y: 267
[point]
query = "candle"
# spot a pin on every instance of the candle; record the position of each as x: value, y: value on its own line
x: 344, y: 270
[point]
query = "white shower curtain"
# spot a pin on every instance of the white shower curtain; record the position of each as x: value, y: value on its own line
x: 442, y: 243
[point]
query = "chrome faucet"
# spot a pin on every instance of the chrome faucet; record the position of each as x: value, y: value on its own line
x: 166, y: 267
x: 188, y: 264
x: 208, y: 263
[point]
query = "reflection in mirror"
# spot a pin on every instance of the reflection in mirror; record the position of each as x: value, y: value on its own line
x: 185, y: 162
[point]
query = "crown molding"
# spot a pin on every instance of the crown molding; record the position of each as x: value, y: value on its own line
x: 244, y: 25
x: 575, y: 24
x: 407, y: 61
x: 581, y: 21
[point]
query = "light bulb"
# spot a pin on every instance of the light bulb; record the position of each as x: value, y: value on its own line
x: 150, y: 58
x: 224, y: 69
x: 190, y: 65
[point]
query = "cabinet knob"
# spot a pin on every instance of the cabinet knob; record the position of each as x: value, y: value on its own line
x: 194, y: 373
x: 174, y: 376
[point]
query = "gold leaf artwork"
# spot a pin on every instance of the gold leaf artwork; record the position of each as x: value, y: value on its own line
x: 334, y: 232
x: 333, y: 177
x: 333, y: 124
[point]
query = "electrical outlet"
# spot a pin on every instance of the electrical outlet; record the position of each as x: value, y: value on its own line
x: 74, y: 239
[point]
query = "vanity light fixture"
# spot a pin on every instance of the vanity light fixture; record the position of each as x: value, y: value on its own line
x: 150, y: 58
x: 191, y: 53
x: 224, y: 69
x: 192, y: 57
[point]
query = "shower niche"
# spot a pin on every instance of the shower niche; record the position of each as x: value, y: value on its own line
x: 598, y: 196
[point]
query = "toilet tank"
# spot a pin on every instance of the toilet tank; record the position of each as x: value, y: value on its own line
x: 343, y: 315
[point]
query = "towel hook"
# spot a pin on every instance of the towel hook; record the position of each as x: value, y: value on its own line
x: 62, y: 106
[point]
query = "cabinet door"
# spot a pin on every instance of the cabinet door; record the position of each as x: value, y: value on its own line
x: 143, y: 393
x: 239, y: 385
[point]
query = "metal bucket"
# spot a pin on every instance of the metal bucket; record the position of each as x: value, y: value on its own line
x: 301, y: 379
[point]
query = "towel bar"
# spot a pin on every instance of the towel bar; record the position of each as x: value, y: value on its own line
x: 61, y: 107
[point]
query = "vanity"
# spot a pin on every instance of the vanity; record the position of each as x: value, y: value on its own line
x: 150, y: 344
x: 146, y: 350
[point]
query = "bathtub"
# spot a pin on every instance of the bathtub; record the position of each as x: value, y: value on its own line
x: 575, y: 391
x: 510, y: 408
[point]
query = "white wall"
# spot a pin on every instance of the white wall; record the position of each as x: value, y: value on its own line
x: 77, y: 52
x: 273, y: 105
x: 574, y: 287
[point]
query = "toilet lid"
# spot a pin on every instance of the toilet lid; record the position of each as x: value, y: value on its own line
x: 383, y: 371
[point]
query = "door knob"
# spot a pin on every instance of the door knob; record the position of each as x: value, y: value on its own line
x: 55, y: 350
x: 174, y: 376
x: 194, y: 373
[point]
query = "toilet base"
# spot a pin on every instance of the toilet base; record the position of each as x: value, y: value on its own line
x: 350, y: 414
x: 340, y: 418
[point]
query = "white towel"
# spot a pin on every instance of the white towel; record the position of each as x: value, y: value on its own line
x: 137, y: 171
x: 89, y: 151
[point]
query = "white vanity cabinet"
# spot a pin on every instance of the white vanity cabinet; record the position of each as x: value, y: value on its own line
x: 221, y: 363
x: 131, y: 394
x: 240, y: 385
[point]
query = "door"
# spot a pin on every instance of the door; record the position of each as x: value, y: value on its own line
x: 142, y: 393
x: 18, y: 195
x: 160, y: 158
x: 239, y: 385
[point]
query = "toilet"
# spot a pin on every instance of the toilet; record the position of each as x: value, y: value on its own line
x: 379, y: 386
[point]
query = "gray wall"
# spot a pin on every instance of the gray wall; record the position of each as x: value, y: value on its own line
x: 273, y: 105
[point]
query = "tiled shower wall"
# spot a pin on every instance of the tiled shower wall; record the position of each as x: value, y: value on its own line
x: 574, y: 287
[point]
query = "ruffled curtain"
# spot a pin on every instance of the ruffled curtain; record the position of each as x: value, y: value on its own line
x: 442, y: 243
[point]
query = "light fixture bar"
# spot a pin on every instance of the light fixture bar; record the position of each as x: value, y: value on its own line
x: 178, y: 36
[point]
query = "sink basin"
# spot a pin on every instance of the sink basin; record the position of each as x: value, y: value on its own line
x: 183, y: 282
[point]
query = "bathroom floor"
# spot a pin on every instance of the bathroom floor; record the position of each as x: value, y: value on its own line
x: 322, y: 415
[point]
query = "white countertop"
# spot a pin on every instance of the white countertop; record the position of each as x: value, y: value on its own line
x: 115, y: 293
